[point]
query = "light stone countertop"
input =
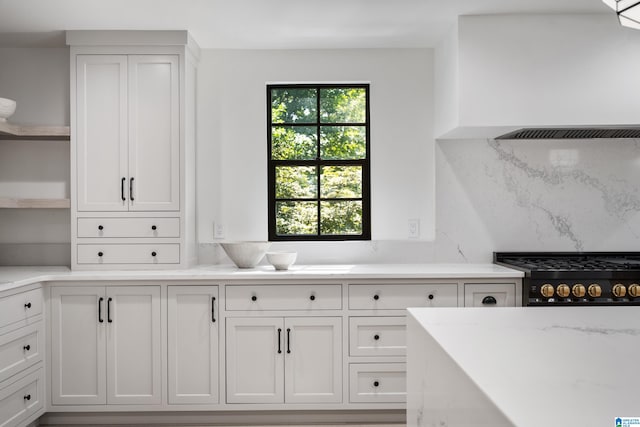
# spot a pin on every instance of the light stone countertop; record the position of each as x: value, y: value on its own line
x: 528, y: 367
x: 17, y: 276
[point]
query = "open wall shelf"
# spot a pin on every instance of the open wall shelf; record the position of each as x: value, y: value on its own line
x: 26, y: 132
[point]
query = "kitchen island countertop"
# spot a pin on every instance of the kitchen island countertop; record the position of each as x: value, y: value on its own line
x: 18, y: 276
x: 525, y: 367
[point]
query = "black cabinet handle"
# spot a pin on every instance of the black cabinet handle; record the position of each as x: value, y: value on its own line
x: 100, y: 227
x: 288, y: 340
x: 376, y: 337
x: 213, y: 309
x: 27, y: 305
x: 131, y: 189
x: 312, y: 297
x: 100, y: 254
x: 376, y: 297
x: 279, y: 340
x: 153, y: 253
x: 254, y: 298
x: 26, y: 347
x: 489, y: 300
x: 122, y: 189
x: 100, y: 301
x: 154, y: 228
x: 27, y: 397
x: 109, y: 319
x: 376, y: 383
x: 430, y: 296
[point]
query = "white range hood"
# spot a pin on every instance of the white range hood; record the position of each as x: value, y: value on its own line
x: 552, y: 76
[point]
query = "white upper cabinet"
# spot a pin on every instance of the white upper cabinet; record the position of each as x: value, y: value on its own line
x: 128, y: 133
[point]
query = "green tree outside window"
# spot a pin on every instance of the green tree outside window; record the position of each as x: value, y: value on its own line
x: 318, y: 138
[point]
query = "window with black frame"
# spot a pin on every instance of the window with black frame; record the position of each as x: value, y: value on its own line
x: 318, y: 137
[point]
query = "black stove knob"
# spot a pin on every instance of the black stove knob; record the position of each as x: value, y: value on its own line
x: 594, y: 290
x: 579, y: 290
x: 547, y: 290
x: 563, y: 290
x: 619, y: 290
x: 634, y: 290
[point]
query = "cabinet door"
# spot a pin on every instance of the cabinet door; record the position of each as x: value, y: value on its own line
x: 154, y: 133
x: 133, y: 345
x: 313, y: 367
x: 255, y: 362
x: 193, y: 344
x: 101, y: 132
x: 78, y: 367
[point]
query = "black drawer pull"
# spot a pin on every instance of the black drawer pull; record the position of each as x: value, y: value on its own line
x: 27, y: 305
x: 153, y: 253
x: 154, y: 228
x: 27, y: 397
x: 26, y: 347
x: 100, y: 254
x: 312, y: 297
x: 376, y: 383
x: 489, y: 300
x: 430, y: 296
x: 376, y: 337
x: 213, y: 309
x: 376, y: 297
x: 254, y: 298
x: 100, y: 228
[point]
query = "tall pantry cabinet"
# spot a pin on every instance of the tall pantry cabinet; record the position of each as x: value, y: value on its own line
x: 132, y: 149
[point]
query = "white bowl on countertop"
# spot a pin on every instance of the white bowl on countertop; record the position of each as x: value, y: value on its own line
x: 281, y: 260
x: 246, y: 254
x: 7, y: 108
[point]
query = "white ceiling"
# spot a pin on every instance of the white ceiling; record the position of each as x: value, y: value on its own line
x: 265, y: 24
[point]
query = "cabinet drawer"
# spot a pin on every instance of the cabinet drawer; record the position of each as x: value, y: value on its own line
x: 129, y: 254
x: 284, y: 297
x: 19, y: 307
x: 20, y: 349
x: 21, y: 399
x: 377, y: 382
x: 399, y: 297
x: 377, y: 336
x: 129, y: 227
x: 489, y: 294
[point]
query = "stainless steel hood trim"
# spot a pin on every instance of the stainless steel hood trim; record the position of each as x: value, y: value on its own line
x: 577, y: 132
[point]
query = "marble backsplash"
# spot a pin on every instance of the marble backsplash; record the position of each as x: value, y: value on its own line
x: 542, y: 195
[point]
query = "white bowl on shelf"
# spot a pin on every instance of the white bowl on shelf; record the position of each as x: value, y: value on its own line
x: 246, y: 254
x: 7, y: 108
x: 281, y: 260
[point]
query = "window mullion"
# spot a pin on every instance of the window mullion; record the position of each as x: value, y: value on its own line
x: 318, y: 160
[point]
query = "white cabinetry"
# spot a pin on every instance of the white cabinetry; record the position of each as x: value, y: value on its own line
x: 22, y: 344
x: 105, y: 345
x: 489, y: 294
x: 132, y: 149
x: 284, y: 360
x: 193, y: 321
x: 127, y: 141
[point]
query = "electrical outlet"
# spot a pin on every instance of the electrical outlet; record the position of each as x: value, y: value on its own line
x: 414, y: 228
x: 218, y: 231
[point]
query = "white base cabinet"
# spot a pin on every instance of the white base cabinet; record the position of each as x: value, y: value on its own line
x: 105, y: 345
x: 193, y: 320
x: 284, y: 360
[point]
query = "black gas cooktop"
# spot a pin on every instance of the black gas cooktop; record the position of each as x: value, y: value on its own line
x: 576, y: 278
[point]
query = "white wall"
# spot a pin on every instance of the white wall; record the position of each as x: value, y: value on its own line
x: 232, y: 145
x: 38, y: 79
